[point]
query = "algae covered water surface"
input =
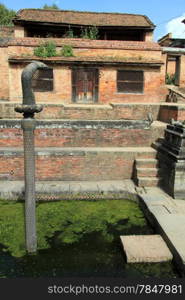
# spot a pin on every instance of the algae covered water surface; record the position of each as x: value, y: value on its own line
x: 75, y: 238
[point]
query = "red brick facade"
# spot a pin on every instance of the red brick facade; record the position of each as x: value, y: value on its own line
x: 97, y: 140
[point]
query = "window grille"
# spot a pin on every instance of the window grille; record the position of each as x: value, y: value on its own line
x: 130, y: 81
x: 42, y: 80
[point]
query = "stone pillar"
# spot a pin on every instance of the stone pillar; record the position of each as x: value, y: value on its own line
x: 28, y: 126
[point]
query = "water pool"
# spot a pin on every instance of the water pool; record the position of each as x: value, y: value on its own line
x: 75, y: 238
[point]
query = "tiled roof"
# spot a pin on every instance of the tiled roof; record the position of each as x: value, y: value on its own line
x: 83, y: 18
x: 84, y: 43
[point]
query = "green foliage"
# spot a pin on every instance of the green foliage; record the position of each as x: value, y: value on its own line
x: 89, y: 33
x: 6, y: 15
x: 69, y: 34
x: 170, y: 79
x: 47, y: 49
x: 67, y: 51
x: 53, y: 6
x: 93, y: 33
x: 84, y: 34
x: 67, y: 222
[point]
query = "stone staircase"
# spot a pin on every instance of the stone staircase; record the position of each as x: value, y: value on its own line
x: 147, y: 172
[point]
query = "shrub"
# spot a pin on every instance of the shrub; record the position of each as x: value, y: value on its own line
x: 69, y: 34
x: 67, y: 51
x: 47, y: 49
x: 93, y: 33
x: 89, y: 33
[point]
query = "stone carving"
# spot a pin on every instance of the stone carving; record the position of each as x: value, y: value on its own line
x: 29, y: 108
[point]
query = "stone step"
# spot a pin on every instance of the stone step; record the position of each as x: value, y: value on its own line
x: 145, y: 249
x: 74, y: 163
x: 148, y: 172
x: 148, y: 181
x: 146, y: 163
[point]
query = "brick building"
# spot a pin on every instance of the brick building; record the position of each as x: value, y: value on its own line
x: 104, y: 107
x: 123, y: 64
x: 174, y: 49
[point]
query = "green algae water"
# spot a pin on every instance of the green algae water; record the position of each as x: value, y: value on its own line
x: 75, y: 239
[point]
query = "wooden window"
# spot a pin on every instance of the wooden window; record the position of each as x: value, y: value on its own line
x: 130, y: 81
x: 42, y: 80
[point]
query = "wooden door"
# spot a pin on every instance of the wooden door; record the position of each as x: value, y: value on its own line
x: 85, y: 85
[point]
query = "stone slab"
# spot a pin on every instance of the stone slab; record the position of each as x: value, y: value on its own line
x: 145, y: 248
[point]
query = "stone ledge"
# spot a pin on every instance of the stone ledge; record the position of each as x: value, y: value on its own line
x: 77, y: 124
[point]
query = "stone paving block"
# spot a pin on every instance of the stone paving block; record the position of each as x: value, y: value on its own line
x: 159, y: 209
x: 173, y: 225
x: 156, y: 196
x: 145, y: 248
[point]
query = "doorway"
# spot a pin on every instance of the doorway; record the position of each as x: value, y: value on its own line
x: 85, y: 85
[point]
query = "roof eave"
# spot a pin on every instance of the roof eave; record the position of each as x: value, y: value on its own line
x: 88, y: 62
x: 44, y: 23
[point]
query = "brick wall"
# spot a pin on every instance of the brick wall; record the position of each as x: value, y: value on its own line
x: 62, y: 85
x: 71, y: 164
x: 154, y: 90
x: 4, y: 74
x: 114, y: 111
x: 19, y: 31
x: 79, y: 134
x: 83, y: 133
x: 182, y: 71
x: 171, y: 67
x: 168, y: 112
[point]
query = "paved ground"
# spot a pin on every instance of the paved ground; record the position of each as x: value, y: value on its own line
x: 168, y: 217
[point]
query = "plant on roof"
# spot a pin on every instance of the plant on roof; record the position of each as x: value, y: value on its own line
x: 67, y: 51
x: 47, y: 49
x: 69, y: 34
x: 89, y: 33
x: 93, y: 33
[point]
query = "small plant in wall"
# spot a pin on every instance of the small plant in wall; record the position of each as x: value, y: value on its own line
x: 47, y: 49
x: 67, y: 51
x: 170, y: 78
